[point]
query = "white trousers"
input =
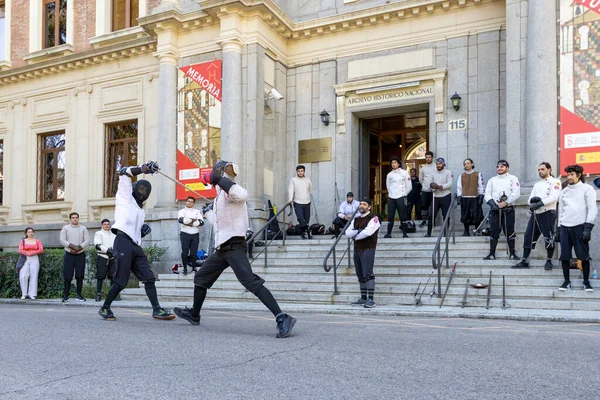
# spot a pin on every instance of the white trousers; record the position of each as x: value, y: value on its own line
x: 28, y: 276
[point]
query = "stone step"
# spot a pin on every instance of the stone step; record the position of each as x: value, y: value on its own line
x: 389, y: 262
x: 380, y: 255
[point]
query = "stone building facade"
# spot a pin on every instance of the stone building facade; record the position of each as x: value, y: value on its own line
x: 384, y: 71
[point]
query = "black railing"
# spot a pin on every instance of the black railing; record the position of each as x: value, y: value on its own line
x: 264, y: 231
x: 437, y: 257
x: 331, y: 252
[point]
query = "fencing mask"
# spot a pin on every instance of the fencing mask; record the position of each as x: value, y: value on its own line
x: 141, y: 191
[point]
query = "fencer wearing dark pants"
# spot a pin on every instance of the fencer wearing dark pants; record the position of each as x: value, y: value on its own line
x: 189, y: 249
x: 503, y: 221
x: 230, y: 218
x: 191, y: 220
x: 440, y: 203
x: 130, y: 228
x: 303, y: 216
x: 73, y: 264
x: 364, y: 229
x: 577, y: 213
x: 540, y: 224
x: 398, y: 185
x: 401, y: 206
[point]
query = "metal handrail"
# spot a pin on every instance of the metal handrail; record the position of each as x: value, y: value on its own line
x: 437, y: 258
x: 264, y: 229
x: 332, y: 251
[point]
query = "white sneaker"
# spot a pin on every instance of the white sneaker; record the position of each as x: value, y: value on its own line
x: 23, y: 297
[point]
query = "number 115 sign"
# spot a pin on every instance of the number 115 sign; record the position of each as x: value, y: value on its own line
x: 457, y: 125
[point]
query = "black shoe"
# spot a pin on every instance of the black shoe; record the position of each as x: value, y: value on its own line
x: 80, y: 298
x: 65, y: 300
x: 521, y: 264
x: 98, y: 297
x: 565, y: 286
x: 587, y: 287
x: 106, y: 313
x: 423, y: 223
x: 185, y: 271
x: 194, y: 270
x: 331, y: 230
x: 358, y: 303
x: 404, y: 235
x: 490, y: 256
x: 369, y: 304
x: 513, y: 256
x: 186, y: 313
x: 161, y: 313
x: 285, y: 324
x: 303, y: 236
x: 309, y: 235
x: 427, y: 235
x: 387, y: 236
x: 548, y: 266
x: 466, y: 233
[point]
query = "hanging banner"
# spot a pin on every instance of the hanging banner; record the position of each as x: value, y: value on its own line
x: 580, y: 84
x: 198, y: 126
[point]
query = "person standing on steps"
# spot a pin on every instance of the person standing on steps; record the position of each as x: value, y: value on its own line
x: 74, y: 238
x: 364, y: 228
x: 441, y: 184
x: 299, y: 192
x: 577, y: 213
x: 542, y: 206
x: 191, y: 220
x: 425, y: 173
x: 229, y: 217
x: 414, y: 197
x: 399, y: 185
x: 104, y: 240
x: 470, y: 191
x: 501, y: 192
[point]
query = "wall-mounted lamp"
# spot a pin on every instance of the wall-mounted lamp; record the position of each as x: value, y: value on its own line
x: 324, y: 117
x: 455, y: 101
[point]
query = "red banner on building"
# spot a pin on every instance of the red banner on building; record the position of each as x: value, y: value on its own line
x: 593, y: 5
x: 207, y: 76
x: 580, y: 143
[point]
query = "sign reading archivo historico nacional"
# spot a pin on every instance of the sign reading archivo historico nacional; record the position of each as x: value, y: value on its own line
x: 405, y: 93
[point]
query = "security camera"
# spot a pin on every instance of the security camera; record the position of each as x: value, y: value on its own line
x: 274, y: 94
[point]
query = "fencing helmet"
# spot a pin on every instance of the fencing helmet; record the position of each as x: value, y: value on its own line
x: 141, y: 191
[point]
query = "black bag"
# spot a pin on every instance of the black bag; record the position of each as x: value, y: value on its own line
x: 21, y: 260
x: 293, y: 230
x: 317, y: 229
x: 409, y: 226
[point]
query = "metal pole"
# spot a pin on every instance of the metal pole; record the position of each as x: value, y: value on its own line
x: 349, y: 243
x: 181, y: 184
x: 283, y: 232
x: 266, y: 247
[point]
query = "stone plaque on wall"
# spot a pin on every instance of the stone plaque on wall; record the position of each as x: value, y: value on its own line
x: 314, y: 150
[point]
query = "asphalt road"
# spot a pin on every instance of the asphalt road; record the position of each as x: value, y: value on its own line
x: 63, y: 352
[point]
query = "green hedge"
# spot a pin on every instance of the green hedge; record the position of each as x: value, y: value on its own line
x: 50, y: 281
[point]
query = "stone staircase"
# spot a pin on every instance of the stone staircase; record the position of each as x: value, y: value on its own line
x: 295, y: 275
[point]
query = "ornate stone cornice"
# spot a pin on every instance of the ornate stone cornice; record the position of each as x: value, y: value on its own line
x: 174, y: 19
x: 79, y: 60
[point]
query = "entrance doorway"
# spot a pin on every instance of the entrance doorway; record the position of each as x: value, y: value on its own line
x: 404, y: 135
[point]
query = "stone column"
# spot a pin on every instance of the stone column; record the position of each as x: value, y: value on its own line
x: 541, y: 106
x: 231, y: 109
x: 166, y: 5
x: 167, y: 129
x: 15, y: 153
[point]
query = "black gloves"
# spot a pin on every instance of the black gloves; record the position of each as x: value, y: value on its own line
x: 586, y: 235
x: 492, y: 204
x: 150, y: 167
x: 180, y: 220
x: 458, y: 201
x: 146, y: 230
x: 534, y: 200
x: 98, y: 247
x: 557, y: 235
x: 480, y: 200
x: 109, y: 252
x: 535, y: 206
x: 224, y: 183
x: 208, y: 207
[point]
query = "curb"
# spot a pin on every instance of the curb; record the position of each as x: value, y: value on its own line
x: 398, y: 311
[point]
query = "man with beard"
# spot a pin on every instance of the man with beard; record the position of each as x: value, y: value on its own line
x: 345, y: 212
x: 191, y: 220
x: 130, y: 228
x: 398, y: 185
x: 441, y: 184
x: 542, y: 205
x: 299, y: 192
x: 229, y: 216
x: 470, y: 190
x: 500, y: 194
x: 576, y: 215
x: 425, y: 178
x: 364, y: 229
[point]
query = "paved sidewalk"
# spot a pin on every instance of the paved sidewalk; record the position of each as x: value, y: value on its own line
x: 516, y: 314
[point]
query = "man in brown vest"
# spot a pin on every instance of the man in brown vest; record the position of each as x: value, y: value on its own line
x: 364, y: 229
x: 470, y: 190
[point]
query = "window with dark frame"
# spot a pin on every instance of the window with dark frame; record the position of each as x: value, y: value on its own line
x: 1, y: 172
x: 2, y: 29
x: 121, y: 151
x: 55, y: 23
x: 124, y: 14
x: 52, y: 166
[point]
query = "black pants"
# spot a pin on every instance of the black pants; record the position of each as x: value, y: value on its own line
x: 503, y: 220
x: 439, y: 203
x: 232, y: 254
x: 414, y: 204
x: 73, y: 264
x: 470, y: 211
x: 426, y: 199
x: 338, y: 224
x: 105, y: 267
x: 570, y: 239
x: 130, y: 258
x: 302, y: 215
x: 189, y: 249
x: 538, y: 224
x: 394, y: 205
